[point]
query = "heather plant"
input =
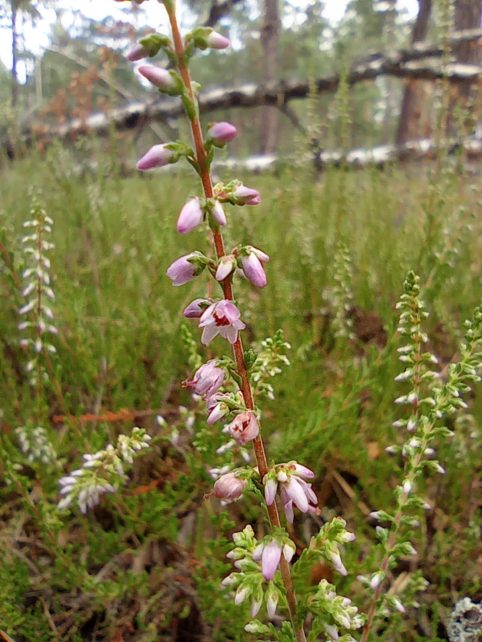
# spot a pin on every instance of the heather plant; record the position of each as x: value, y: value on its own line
x: 37, y: 328
x: 228, y: 386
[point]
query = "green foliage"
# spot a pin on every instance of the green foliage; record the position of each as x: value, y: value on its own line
x: 121, y: 350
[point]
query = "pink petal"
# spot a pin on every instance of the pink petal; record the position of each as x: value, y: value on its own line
x: 270, y: 559
x: 209, y: 333
x: 297, y: 494
x: 270, y: 490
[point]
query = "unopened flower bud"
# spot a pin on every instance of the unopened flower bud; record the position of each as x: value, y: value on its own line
x: 157, y: 156
x: 270, y: 488
x: 246, y: 196
x: 253, y: 270
x: 160, y: 78
x: 229, y: 487
x: 218, y: 214
x: 185, y: 268
x: 190, y: 217
x: 272, y: 597
x: 196, y: 308
x: 225, y: 267
x: 216, y: 41
x: 221, y: 133
x: 270, y: 559
x: 337, y: 563
x: 137, y: 53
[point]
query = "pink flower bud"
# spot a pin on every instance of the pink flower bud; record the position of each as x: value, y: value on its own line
x: 158, y: 77
x: 218, y: 214
x: 184, y: 269
x: 222, y: 133
x: 246, y: 196
x: 270, y: 488
x: 196, y: 308
x: 190, y: 217
x: 270, y: 559
x: 229, y: 487
x: 216, y: 41
x: 253, y: 270
x: 157, y: 156
x: 244, y: 427
x: 225, y: 267
x: 137, y: 53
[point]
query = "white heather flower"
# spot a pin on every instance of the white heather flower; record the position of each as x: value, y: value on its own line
x: 101, y: 472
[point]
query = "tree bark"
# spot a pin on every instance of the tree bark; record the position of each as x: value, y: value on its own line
x: 467, y: 15
x: 13, y: 27
x: 411, y: 123
x: 269, y: 42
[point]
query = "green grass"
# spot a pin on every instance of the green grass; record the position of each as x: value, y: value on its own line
x: 145, y: 565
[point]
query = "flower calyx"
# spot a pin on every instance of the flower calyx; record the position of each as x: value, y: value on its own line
x: 236, y: 193
x: 204, y: 38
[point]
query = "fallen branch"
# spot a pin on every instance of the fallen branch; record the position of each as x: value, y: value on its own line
x: 470, y: 149
x: 379, y: 156
x: 402, y: 64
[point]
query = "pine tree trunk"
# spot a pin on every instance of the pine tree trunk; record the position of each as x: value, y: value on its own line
x: 269, y: 42
x: 13, y: 28
x: 411, y: 123
x: 467, y: 16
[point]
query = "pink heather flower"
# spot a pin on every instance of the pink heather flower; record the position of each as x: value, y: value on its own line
x: 196, y: 308
x: 244, y: 427
x: 157, y: 156
x: 223, y: 318
x: 222, y: 133
x: 183, y: 269
x: 270, y: 555
x: 229, y: 487
x: 158, y: 77
x: 246, y: 196
x: 225, y: 267
x: 216, y: 41
x: 207, y: 379
x: 190, y: 217
x: 270, y: 559
x: 137, y: 53
x: 270, y: 488
x: 252, y: 266
x: 218, y: 214
x: 294, y: 490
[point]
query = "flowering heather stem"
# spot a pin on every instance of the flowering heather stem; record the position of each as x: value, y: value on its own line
x: 205, y: 175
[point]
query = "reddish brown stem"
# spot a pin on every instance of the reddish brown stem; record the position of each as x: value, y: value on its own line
x: 205, y: 175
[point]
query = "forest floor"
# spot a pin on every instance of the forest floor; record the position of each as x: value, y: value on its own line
x: 146, y: 563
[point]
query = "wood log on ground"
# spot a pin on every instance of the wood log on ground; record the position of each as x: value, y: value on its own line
x: 403, y: 64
